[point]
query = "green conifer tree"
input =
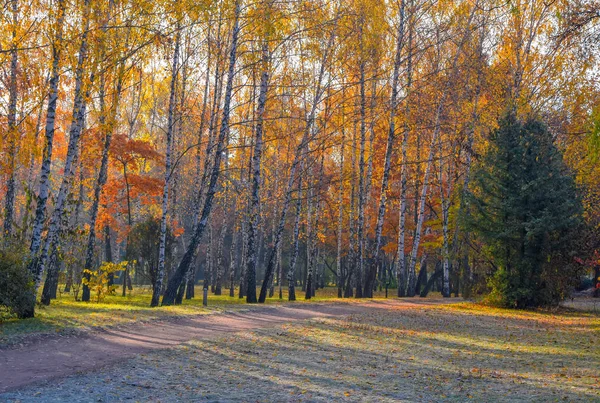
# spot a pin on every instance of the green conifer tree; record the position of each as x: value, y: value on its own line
x: 525, y: 209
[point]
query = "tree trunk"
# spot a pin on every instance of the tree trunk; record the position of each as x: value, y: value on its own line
x: 430, y: 283
x: 44, y: 190
x: 79, y: 111
x: 309, y: 238
x: 402, y: 269
x: 186, y: 261
x: 291, y: 276
x: 165, y: 198
x: 244, y: 253
x: 9, y: 201
x: 306, y: 137
x: 422, y: 279
x: 434, y: 139
x: 253, y: 251
x: 280, y: 273
x: 313, y: 235
x: 190, y: 283
x: 358, y: 275
x: 412, y: 279
x: 370, y: 278
x: 107, y: 124
x: 220, y: 259
x: 351, y: 261
x: 340, y: 228
x: 232, y: 258
x: 108, y: 257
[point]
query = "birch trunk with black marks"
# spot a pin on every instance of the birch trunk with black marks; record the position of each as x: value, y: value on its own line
x: 200, y: 178
x: 358, y: 275
x: 37, y: 264
x: 209, y: 265
x: 50, y: 287
x: 252, y: 253
x: 272, y: 285
x: 212, y: 128
x: 244, y: 253
x: 291, y: 276
x: 370, y: 278
x: 29, y: 190
x: 279, y: 268
x: 352, y: 238
x: 233, y: 254
x: 314, y: 201
x: 51, y: 243
x: 245, y: 176
x: 309, y: 237
x: 401, y: 269
x: 220, y: 259
x: 340, y: 228
x: 178, y: 275
x: 44, y: 186
x: 308, y: 134
x: 445, y: 194
x: 165, y: 197
x: 9, y: 200
x: 412, y: 279
x: 107, y: 124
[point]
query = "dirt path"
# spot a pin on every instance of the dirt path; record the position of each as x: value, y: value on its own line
x: 56, y: 357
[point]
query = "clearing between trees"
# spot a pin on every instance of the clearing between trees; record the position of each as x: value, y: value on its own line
x: 377, y: 350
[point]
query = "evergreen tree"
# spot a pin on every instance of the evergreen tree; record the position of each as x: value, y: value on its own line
x: 525, y: 209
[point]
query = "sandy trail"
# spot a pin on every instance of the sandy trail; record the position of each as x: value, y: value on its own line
x: 56, y: 357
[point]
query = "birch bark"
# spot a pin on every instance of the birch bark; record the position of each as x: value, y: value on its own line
x: 370, y: 278
x: 186, y: 261
x: 9, y: 201
x: 165, y: 197
x: 44, y: 186
x: 38, y: 261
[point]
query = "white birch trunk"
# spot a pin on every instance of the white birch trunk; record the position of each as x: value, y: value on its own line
x: 9, y: 201
x: 37, y: 265
x: 253, y: 251
x: 178, y: 276
x: 340, y: 228
x: 44, y: 186
x: 165, y: 197
x: 436, y: 132
x: 370, y: 278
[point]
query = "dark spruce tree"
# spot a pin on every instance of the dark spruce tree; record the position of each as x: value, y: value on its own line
x: 524, y: 208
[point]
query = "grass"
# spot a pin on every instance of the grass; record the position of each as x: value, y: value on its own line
x: 432, y: 353
x: 65, y: 314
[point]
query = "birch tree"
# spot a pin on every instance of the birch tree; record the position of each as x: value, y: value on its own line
x: 370, y: 278
x: 165, y: 198
x: 178, y: 276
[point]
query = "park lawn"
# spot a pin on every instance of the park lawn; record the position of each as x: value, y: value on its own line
x: 458, y: 352
x: 67, y: 315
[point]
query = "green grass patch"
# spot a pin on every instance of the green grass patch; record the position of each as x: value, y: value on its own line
x: 67, y: 314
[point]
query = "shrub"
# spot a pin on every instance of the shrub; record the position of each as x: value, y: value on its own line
x: 98, y: 281
x: 16, y: 284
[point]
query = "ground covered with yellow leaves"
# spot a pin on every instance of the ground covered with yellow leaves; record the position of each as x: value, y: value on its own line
x: 455, y: 352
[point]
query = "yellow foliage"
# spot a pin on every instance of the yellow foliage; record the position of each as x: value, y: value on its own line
x: 98, y: 281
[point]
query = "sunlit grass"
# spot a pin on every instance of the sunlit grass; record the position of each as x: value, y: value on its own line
x: 394, y: 352
x: 65, y: 313
x: 434, y: 353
